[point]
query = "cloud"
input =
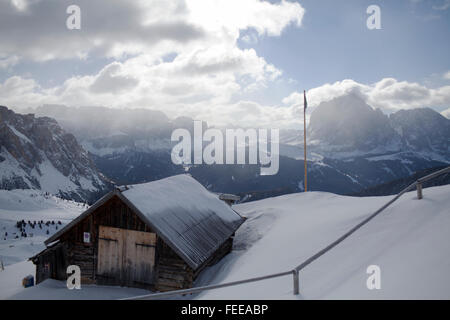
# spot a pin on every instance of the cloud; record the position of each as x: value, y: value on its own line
x: 167, y: 87
x: 206, y: 75
x: 7, y: 62
x: 443, y: 6
x: 388, y: 94
x: 116, y: 28
x: 198, y: 84
x: 111, y: 80
x: 108, y: 28
x: 446, y: 75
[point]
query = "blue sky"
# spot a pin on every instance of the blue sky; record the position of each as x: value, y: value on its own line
x: 225, y: 61
x: 334, y: 43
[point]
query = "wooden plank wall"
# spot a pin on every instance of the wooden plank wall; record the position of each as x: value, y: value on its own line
x: 171, y: 272
x: 114, y: 213
x: 127, y: 256
x: 52, y: 263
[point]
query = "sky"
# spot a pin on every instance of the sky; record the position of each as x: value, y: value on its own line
x: 229, y: 62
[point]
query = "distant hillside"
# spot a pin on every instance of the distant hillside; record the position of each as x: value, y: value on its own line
x: 398, y: 185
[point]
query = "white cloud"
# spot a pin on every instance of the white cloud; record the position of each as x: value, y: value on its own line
x: 446, y: 75
x: 7, y: 62
x: 387, y: 94
x: 169, y: 87
x: 205, y: 77
x: 116, y: 28
x: 20, y: 5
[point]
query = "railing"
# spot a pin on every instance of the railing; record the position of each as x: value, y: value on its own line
x: 295, y: 272
x: 427, y: 178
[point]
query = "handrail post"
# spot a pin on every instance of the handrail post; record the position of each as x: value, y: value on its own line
x: 296, y: 282
x: 419, y: 190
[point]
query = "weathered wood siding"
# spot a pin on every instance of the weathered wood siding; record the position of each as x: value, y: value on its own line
x: 126, y: 256
x: 140, y: 254
x: 52, y: 263
x: 172, y: 272
x: 114, y: 213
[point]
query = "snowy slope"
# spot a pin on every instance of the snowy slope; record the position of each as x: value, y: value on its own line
x: 33, y: 205
x: 409, y: 241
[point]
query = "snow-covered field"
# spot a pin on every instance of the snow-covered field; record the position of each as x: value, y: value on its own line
x: 409, y: 241
x: 30, y: 205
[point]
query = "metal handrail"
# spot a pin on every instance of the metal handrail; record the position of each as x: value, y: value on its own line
x: 295, y: 272
x: 433, y: 175
x: 204, y: 288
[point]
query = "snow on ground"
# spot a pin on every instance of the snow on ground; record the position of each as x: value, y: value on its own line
x: 11, y: 278
x: 409, y: 241
x: 31, y: 205
x: 11, y: 287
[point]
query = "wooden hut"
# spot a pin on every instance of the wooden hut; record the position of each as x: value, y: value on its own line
x: 158, y: 235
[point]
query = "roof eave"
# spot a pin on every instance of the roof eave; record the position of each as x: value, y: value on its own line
x: 72, y: 223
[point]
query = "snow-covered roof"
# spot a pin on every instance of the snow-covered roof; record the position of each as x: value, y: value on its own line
x: 191, y: 220
x: 188, y: 217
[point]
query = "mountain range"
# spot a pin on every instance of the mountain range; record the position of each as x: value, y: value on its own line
x: 351, y: 147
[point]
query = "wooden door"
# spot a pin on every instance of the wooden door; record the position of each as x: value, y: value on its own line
x: 126, y: 256
x: 139, y: 257
x: 110, y: 248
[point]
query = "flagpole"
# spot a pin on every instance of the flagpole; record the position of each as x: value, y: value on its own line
x: 304, y: 139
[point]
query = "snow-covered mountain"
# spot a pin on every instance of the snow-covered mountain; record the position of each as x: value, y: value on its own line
x: 36, y: 153
x: 351, y: 147
x: 104, y: 131
x: 373, y: 148
x: 423, y: 130
x: 347, y: 127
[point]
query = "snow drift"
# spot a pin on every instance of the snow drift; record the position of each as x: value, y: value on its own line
x: 409, y: 241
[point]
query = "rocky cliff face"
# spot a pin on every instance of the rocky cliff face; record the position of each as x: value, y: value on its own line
x: 347, y: 127
x: 348, y: 124
x: 423, y: 130
x: 36, y: 153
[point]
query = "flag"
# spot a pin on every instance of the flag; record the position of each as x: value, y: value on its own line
x: 305, y: 104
